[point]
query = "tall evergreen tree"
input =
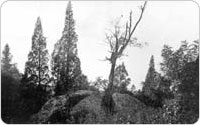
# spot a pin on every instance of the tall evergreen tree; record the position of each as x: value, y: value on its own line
x: 152, y: 79
x: 6, y: 59
x: 65, y: 62
x: 7, y: 67
x: 151, y: 71
x: 9, y: 86
x: 36, y: 68
x: 36, y: 77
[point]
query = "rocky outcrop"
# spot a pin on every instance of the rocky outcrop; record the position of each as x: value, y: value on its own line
x: 85, y: 107
x: 91, y: 106
x: 57, y: 104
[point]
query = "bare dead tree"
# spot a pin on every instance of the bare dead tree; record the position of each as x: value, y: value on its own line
x: 118, y: 41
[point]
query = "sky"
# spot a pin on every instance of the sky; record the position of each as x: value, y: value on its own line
x: 163, y: 22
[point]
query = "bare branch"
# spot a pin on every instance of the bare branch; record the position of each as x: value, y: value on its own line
x: 109, y: 39
x: 130, y: 23
x: 126, y: 31
x: 106, y: 59
x: 129, y: 37
x: 119, y: 45
x: 142, y: 11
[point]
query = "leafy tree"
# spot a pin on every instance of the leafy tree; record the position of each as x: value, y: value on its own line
x: 121, y: 80
x: 182, y: 66
x: 101, y: 83
x: 171, y: 107
x: 189, y: 89
x: 36, y: 78
x: 81, y: 83
x: 173, y: 61
x: 118, y: 41
x: 65, y: 62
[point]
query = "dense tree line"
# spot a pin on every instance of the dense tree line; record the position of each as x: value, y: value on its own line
x: 174, y: 91
x: 181, y: 68
x: 9, y: 86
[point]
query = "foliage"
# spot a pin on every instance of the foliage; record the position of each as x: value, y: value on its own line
x: 36, y: 67
x: 121, y: 79
x: 65, y: 62
x: 177, y: 92
x: 182, y: 66
x: 100, y: 83
x: 6, y: 59
x: 6, y: 66
x: 9, y: 98
x: 189, y: 88
x: 34, y: 82
x: 152, y: 80
x: 151, y: 115
x: 9, y: 87
x: 172, y: 107
x: 81, y: 83
x: 155, y: 88
x: 173, y: 61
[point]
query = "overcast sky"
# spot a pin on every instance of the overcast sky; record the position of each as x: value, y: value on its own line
x: 164, y: 22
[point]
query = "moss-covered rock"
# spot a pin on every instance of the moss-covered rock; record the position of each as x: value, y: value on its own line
x: 84, y: 107
x: 54, y: 109
x: 91, y: 105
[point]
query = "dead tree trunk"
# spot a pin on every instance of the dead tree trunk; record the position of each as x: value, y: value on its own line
x: 109, y: 103
x: 118, y: 41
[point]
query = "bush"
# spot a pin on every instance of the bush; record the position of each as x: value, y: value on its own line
x: 9, y: 97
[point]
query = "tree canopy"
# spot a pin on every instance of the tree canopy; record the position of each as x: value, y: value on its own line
x: 65, y: 63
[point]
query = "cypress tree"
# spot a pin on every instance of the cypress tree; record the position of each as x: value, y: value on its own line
x: 36, y: 68
x: 7, y: 67
x: 36, y: 77
x: 152, y: 79
x: 65, y: 62
x: 6, y: 60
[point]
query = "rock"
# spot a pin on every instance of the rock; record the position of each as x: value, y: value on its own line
x: 84, y: 107
x: 57, y: 104
x: 91, y: 105
x: 127, y: 110
x: 126, y: 101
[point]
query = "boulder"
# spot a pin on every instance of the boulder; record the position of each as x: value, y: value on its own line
x: 127, y: 110
x: 91, y: 106
x: 57, y: 104
x: 83, y: 107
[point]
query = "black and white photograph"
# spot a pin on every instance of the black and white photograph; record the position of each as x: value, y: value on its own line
x: 99, y: 62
